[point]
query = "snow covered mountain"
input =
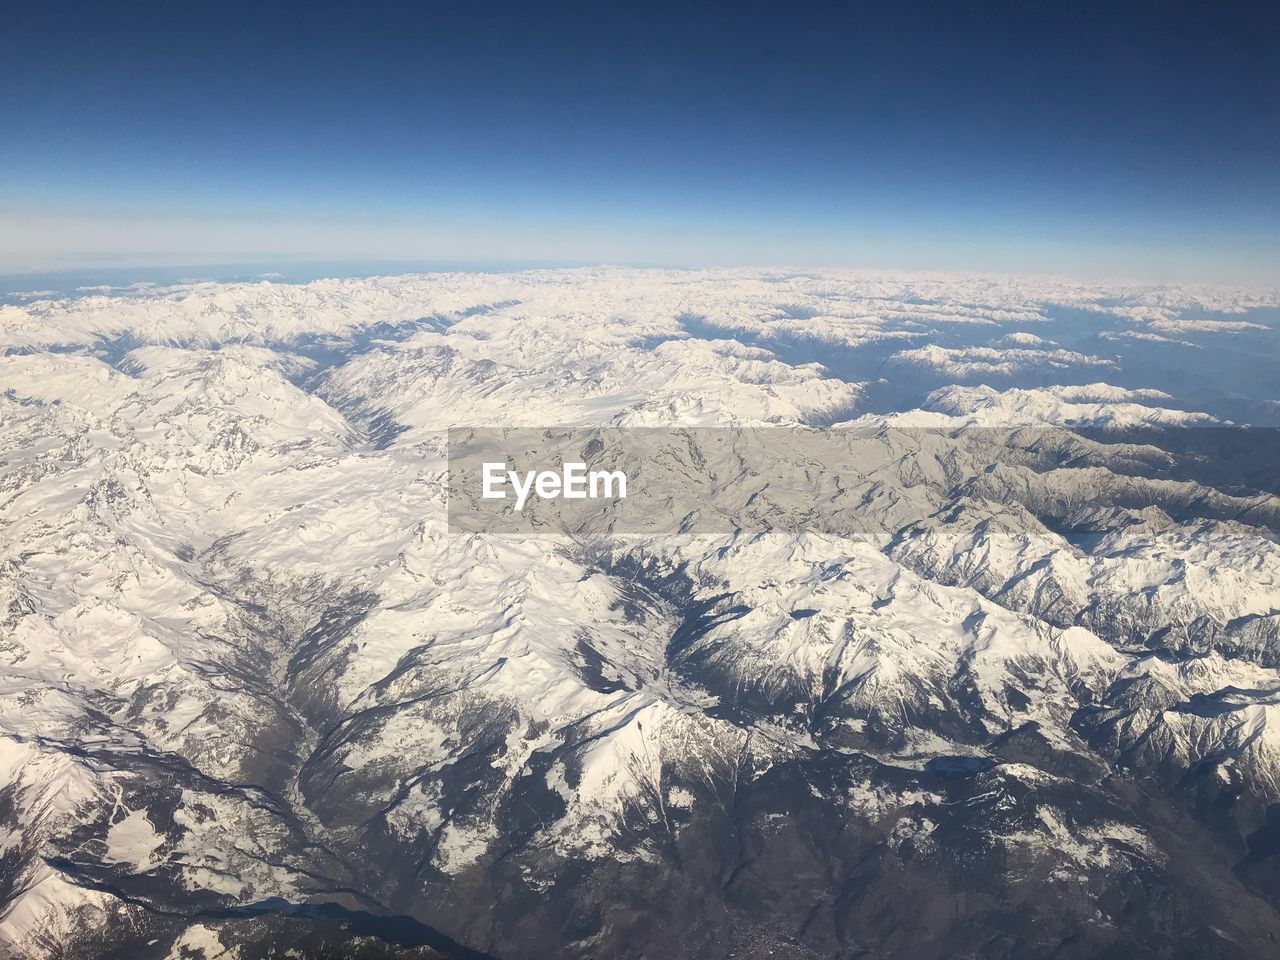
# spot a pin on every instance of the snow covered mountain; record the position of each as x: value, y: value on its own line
x: 1018, y: 695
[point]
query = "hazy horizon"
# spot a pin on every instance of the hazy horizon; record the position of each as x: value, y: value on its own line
x: 1137, y: 142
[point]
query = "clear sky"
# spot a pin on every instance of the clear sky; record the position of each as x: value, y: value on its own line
x: 1113, y: 139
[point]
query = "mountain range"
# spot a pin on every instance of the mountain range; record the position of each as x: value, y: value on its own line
x: 1005, y: 688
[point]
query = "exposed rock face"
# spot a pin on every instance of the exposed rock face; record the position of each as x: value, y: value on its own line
x: 255, y: 695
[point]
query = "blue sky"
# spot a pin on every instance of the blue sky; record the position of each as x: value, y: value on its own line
x: 1134, y: 139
